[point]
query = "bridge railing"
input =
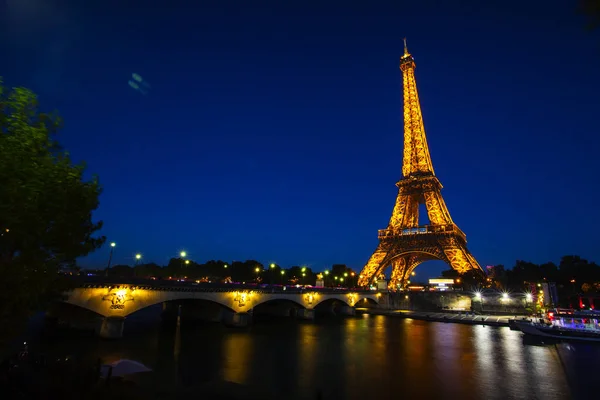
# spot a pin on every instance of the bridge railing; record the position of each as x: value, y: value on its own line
x: 172, y: 285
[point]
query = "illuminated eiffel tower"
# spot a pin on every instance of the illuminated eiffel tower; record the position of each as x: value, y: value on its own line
x: 405, y: 244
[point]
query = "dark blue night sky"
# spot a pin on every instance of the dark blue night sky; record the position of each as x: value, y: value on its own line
x: 272, y: 130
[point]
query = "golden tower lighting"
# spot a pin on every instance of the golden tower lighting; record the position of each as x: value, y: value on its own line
x: 404, y: 244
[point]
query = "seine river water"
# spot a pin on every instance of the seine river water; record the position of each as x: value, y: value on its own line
x: 362, y: 357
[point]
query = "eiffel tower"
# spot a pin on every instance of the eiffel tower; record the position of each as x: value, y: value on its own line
x: 405, y: 244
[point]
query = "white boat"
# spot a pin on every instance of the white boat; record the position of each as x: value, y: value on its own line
x: 565, y: 325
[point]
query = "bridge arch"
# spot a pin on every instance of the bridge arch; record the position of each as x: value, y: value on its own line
x: 275, y: 299
x: 65, y: 310
x: 326, y: 300
x: 121, y: 301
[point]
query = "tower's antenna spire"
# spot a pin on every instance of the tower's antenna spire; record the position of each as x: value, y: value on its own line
x: 405, y: 48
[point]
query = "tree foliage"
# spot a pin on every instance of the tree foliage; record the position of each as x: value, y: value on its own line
x: 591, y: 10
x: 45, y: 204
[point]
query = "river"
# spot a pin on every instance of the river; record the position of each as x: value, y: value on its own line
x: 362, y: 357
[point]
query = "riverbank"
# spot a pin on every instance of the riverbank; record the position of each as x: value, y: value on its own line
x: 458, y: 318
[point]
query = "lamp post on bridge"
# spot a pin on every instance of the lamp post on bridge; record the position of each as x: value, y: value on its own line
x: 112, y: 247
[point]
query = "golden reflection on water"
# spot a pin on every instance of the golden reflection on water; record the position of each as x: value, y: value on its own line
x: 417, y: 347
x: 356, y: 347
x: 377, y: 333
x: 237, y: 353
x: 308, y: 354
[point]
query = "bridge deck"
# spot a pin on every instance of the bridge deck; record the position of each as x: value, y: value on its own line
x: 176, y: 286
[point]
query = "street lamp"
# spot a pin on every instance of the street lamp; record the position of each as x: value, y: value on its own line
x: 282, y: 274
x: 271, y: 268
x: 257, y: 270
x: 138, y: 257
x: 112, y: 247
x: 182, y: 256
x: 528, y: 299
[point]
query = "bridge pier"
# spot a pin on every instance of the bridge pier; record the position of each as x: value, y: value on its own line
x: 112, y: 327
x: 237, y: 320
x: 304, y: 313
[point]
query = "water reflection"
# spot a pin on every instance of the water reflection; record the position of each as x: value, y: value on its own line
x: 363, y: 357
x: 308, y: 353
x: 237, y: 352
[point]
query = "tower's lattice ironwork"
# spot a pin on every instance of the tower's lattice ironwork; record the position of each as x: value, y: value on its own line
x: 406, y: 244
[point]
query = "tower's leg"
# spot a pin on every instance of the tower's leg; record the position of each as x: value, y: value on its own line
x: 398, y: 271
x: 460, y: 259
x: 436, y: 209
x: 372, y: 267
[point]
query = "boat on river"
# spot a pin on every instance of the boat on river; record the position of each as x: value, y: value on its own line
x: 565, y: 325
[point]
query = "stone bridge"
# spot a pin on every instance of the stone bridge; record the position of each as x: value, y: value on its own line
x: 116, y: 301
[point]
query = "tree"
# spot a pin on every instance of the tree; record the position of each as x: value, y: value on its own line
x: 591, y: 10
x: 45, y: 206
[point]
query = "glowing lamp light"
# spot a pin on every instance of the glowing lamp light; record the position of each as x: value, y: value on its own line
x: 326, y: 272
x: 183, y: 254
x: 272, y: 265
x: 113, y: 244
x: 138, y: 256
x: 529, y: 297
